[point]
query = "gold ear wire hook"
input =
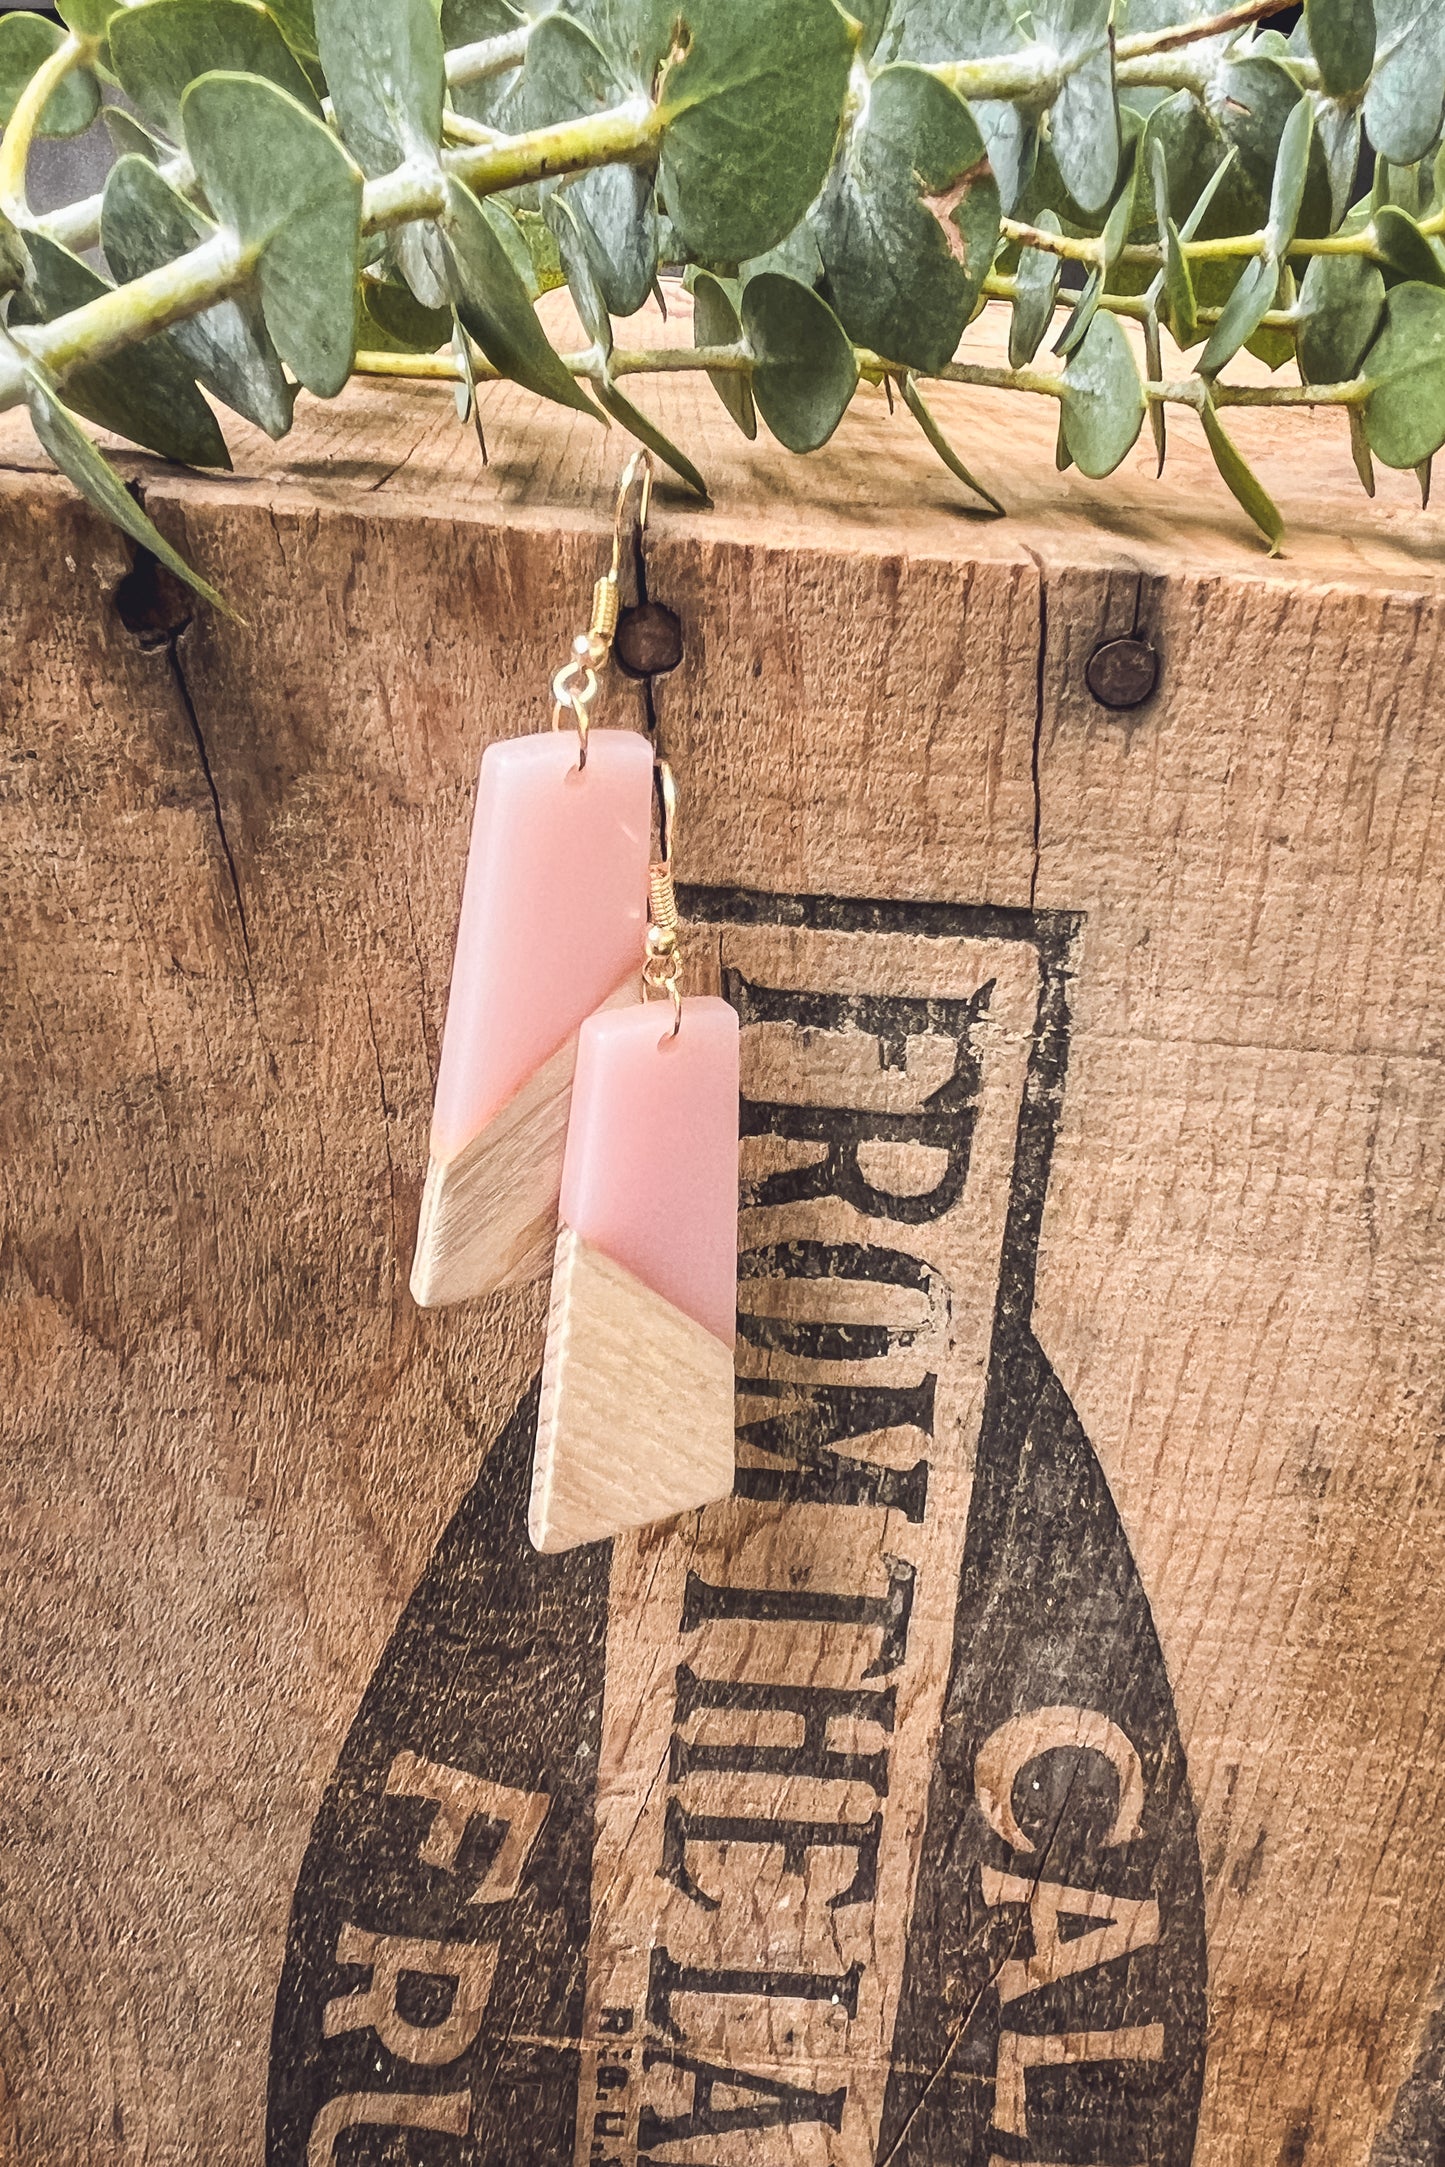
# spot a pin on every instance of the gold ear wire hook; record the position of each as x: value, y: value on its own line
x: 663, y: 967
x: 575, y: 684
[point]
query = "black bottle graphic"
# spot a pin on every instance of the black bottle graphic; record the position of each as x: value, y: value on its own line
x: 920, y: 1610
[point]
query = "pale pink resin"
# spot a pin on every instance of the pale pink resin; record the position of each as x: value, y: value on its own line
x: 554, y: 912
x: 651, y: 1172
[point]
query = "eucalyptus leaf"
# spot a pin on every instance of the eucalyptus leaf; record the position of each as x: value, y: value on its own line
x: 1240, y: 478
x: 1405, y: 103
x: 1405, y: 370
x: 146, y: 393
x: 909, y: 221
x: 158, y: 50
x: 1339, y: 133
x: 399, y: 316
x: 581, y: 279
x: 1036, y: 289
x: 1103, y: 402
x: 640, y: 425
x: 1251, y: 300
x: 296, y: 21
x: 145, y: 223
x: 88, y: 18
x: 923, y: 414
x: 26, y: 43
x: 1154, y: 364
x: 129, y: 138
x: 494, y: 305
x: 715, y: 322
x: 1291, y: 172
x: 750, y: 115
x: 1181, y: 311
x: 1342, y: 39
x: 1340, y: 302
x: 1084, y: 127
x: 1404, y: 248
x: 1116, y: 233
x: 96, y: 479
x: 569, y: 77
x: 283, y: 182
x: 804, y: 371
x: 386, y: 72
x: 1360, y: 450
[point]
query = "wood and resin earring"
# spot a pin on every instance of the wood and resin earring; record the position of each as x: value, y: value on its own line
x: 636, y: 1412
x: 553, y: 911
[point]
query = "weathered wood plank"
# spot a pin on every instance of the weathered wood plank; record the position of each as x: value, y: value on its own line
x: 1208, y: 930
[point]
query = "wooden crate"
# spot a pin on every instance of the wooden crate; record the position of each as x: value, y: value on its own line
x: 1040, y: 1759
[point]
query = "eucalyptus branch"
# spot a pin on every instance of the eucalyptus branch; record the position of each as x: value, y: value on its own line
x: 1146, y: 42
x: 280, y: 207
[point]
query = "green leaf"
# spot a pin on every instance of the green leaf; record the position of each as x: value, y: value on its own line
x: 647, y: 432
x: 804, y: 371
x: 1401, y: 244
x: 569, y: 77
x: 493, y: 303
x: 1360, y: 450
x: 1422, y: 476
x: 1084, y: 123
x: 1251, y: 300
x: 715, y: 323
x: 88, y: 18
x: 145, y: 392
x: 1342, y: 39
x: 1291, y: 172
x: 403, y: 324
x: 1103, y: 399
x: 1181, y: 312
x: 296, y: 21
x: 282, y: 180
x: 923, y: 414
x: 1337, y: 129
x: 547, y: 273
x: 750, y: 114
x: 144, y: 223
x: 1340, y: 302
x: 1405, y: 103
x: 1241, y: 480
x: 1116, y: 232
x: 26, y: 42
x: 581, y: 279
x: 158, y: 50
x: 129, y: 137
x: 796, y: 256
x: 1405, y: 370
x: 78, y: 458
x: 386, y: 72
x: 1036, y: 291
x: 908, y: 223
x: 1154, y: 364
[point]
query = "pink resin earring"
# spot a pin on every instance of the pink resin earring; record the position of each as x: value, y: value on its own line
x: 553, y: 911
x: 636, y: 1414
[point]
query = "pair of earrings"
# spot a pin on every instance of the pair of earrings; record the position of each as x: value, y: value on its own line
x: 589, y: 1123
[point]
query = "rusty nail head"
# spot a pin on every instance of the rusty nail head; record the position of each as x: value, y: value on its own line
x: 648, y: 641
x: 1122, y: 673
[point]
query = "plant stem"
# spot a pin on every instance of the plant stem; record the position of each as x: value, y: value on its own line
x: 1209, y: 26
x: 1034, y: 73
x: 72, y: 52
x: 489, y: 56
x: 209, y: 273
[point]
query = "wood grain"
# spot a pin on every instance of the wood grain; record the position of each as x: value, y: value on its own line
x: 230, y: 858
x: 489, y: 1213
x: 636, y: 1415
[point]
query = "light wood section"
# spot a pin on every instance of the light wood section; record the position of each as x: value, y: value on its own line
x: 636, y: 1419
x: 489, y: 1215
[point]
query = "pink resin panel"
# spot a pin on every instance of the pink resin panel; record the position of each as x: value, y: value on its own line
x: 554, y: 913
x: 651, y: 1173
